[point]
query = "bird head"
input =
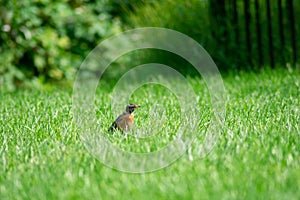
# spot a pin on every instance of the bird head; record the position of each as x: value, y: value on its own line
x: 130, y: 108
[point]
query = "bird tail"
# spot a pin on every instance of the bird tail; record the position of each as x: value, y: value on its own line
x: 112, y: 128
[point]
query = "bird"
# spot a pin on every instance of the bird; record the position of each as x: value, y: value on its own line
x: 124, y: 122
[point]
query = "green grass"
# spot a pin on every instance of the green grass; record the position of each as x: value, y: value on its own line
x: 256, y: 157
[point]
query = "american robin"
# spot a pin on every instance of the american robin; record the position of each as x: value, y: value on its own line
x: 125, y: 121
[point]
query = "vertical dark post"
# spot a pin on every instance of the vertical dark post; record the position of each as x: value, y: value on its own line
x: 218, y: 15
x: 292, y: 29
x: 219, y: 27
x: 235, y: 23
x: 247, y: 27
x: 236, y: 34
x: 258, y: 34
x: 281, y: 31
x: 270, y: 39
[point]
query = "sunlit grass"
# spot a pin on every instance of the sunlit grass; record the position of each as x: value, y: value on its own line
x: 257, y: 155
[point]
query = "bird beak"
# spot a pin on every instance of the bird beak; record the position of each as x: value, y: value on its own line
x: 137, y: 106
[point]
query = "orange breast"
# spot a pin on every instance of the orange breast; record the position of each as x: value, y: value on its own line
x: 126, y: 122
x: 131, y: 117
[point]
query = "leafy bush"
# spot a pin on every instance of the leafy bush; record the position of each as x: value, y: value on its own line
x: 49, y: 39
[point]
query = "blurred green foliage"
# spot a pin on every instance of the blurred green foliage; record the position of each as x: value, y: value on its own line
x: 42, y: 40
x: 211, y: 23
x: 189, y: 17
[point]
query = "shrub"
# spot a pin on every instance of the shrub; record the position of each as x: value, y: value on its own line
x: 49, y: 39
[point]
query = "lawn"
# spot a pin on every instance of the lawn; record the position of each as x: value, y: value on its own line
x: 256, y: 157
